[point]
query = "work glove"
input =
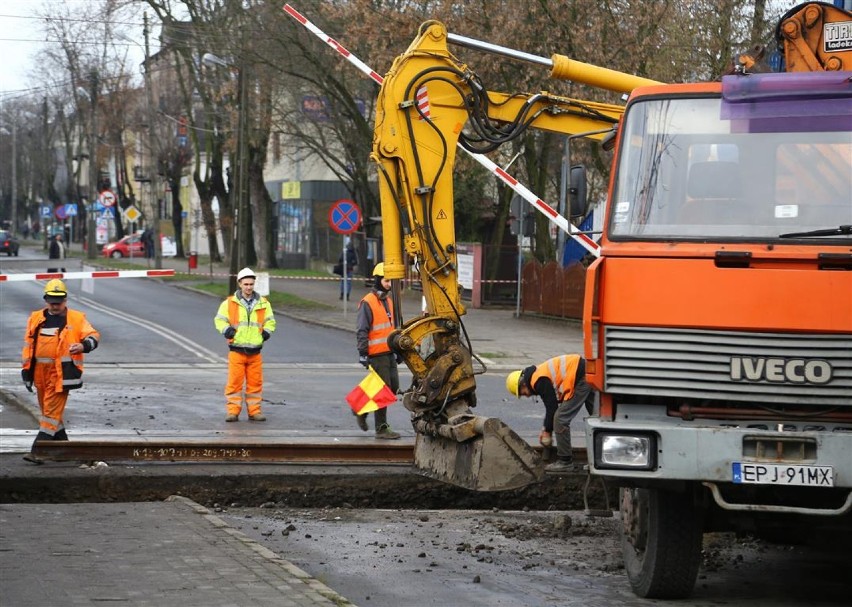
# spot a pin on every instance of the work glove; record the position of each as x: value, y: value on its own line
x: 364, y: 360
x: 229, y: 333
x: 545, y: 438
x: 28, y: 379
x: 265, y: 335
x: 398, y: 358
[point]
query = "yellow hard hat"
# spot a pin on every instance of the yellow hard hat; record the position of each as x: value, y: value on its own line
x: 379, y: 270
x: 55, y: 291
x: 513, y: 383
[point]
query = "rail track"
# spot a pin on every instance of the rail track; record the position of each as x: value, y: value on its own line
x: 204, y: 450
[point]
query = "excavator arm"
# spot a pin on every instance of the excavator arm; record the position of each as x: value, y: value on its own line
x: 428, y: 106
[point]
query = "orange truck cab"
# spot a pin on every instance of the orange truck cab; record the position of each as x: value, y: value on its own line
x: 718, y: 319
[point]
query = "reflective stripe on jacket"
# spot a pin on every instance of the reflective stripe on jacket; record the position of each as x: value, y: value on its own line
x: 69, y: 367
x: 250, y: 327
x: 382, y: 327
x: 562, y: 372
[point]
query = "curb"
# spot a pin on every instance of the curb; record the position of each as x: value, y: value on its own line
x: 301, y: 575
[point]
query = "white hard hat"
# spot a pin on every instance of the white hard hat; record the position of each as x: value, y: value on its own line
x: 245, y: 273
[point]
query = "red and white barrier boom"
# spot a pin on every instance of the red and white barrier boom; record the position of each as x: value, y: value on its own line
x: 80, y: 275
x: 551, y: 213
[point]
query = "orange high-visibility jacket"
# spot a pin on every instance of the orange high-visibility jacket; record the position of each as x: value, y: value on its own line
x: 69, y: 367
x: 562, y: 371
x: 382, y: 327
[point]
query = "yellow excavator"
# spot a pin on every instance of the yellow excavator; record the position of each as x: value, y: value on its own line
x: 429, y: 104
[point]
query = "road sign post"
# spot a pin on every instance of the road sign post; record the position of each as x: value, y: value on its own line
x: 131, y: 213
x: 344, y: 216
x: 107, y: 198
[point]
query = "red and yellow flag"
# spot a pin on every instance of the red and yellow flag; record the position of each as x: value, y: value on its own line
x: 371, y: 394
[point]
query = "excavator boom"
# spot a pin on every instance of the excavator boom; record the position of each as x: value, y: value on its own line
x: 429, y: 104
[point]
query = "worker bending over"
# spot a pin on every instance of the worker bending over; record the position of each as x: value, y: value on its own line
x: 561, y: 384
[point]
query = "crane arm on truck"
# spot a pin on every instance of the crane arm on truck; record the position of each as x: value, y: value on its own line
x: 815, y: 37
x: 428, y: 103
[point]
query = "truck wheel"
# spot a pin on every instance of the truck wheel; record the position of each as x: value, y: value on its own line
x: 661, y: 542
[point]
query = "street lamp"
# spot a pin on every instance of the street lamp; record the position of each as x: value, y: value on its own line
x: 13, y: 130
x: 239, y: 247
x: 153, y: 147
x: 92, y: 96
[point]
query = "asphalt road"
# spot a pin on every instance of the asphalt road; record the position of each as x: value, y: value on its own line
x: 161, y: 369
x: 446, y: 558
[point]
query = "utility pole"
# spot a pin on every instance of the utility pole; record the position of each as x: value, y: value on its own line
x: 91, y: 241
x: 239, y: 163
x: 15, y: 175
x: 154, y: 150
x: 242, y: 187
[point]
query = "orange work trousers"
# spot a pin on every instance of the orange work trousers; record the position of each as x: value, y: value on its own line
x: 244, y: 370
x: 50, y: 402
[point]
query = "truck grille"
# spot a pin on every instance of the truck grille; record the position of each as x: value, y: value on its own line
x: 697, y: 364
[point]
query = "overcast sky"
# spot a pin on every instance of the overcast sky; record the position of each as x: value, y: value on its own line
x: 21, y: 38
x: 18, y: 29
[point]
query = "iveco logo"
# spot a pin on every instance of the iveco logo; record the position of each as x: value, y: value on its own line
x: 780, y: 370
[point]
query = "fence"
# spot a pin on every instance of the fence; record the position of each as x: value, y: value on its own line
x: 552, y: 290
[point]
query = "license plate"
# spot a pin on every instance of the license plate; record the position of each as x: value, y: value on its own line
x: 783, y: 474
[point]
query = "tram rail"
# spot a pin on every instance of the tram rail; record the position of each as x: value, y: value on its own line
x: 222, y: 451
x: 165, y: 450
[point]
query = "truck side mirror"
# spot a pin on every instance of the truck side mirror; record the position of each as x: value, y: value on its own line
x: 578, y: 201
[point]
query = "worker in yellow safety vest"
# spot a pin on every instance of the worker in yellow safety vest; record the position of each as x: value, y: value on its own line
x: 246, y: 320
x: 561, y: 384
x: 52, y: 359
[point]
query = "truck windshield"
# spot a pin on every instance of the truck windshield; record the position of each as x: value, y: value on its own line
x: 688, y: 171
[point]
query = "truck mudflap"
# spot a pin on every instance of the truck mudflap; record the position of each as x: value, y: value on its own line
x: 477, y: 453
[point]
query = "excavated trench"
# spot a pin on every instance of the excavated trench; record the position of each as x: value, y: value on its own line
x: 283, y: 485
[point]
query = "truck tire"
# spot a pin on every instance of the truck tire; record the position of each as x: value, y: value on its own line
x: 661, y: 542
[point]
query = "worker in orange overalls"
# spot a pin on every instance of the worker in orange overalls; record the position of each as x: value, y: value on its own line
x: 246, y: 320
x: 52, y: 359
x: 561, y: 384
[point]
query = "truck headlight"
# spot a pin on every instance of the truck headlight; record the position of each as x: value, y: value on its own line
x: 633, y: 451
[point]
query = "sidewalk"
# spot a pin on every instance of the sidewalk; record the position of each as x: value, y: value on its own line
x: 143, y: 554
x: 502, y: 340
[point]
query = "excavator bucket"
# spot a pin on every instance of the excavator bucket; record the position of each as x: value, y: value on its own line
x: 478, y: 453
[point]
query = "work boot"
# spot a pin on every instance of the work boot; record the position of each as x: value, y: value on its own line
x: 257, y: 417
x: 231, y: 417
x: 33, y: 459
x: 384, y: 431
x: 563, y: 466
x: 362, y: 421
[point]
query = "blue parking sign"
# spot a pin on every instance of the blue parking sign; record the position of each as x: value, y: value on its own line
x: 46, y: 211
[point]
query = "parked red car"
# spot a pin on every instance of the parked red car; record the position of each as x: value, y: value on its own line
x: 133, y: 243
x: 125, y: 246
